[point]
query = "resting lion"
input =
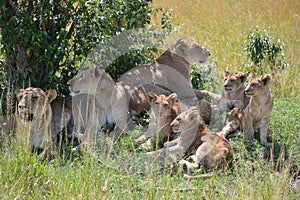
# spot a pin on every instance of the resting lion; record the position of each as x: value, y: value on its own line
x: 34, y: 117
x: 233, y: 122
x: 256, y: 116
x: 191, y: 136
x: 213, y: 151
x: 168, y: 73
x: 164, y: 109
x: 99, y: 101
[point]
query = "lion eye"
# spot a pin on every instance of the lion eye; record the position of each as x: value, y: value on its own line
x: 34, y: 99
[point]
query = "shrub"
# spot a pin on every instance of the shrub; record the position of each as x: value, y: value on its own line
x: 264, y: 52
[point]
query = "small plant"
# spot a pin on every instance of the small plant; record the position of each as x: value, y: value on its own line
x: 264, y: 52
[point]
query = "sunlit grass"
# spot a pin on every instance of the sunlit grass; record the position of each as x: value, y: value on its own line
x: 220, y: 27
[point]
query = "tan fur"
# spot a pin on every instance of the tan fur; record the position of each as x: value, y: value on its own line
x: 63, y: 116
x: 233, y: 122
x: 168, y: 73
x: 234, y: 91
x: 164, y: 109
x: 191, y: 131
x: 100, y: 101
x: 34, y: 117
x: 212, y: 152
x: 257, y: 114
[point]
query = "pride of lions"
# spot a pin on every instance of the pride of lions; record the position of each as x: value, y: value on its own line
x: 179, y: 118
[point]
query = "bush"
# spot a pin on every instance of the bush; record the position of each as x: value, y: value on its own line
x: 264, y: 52
x: 45, y: 43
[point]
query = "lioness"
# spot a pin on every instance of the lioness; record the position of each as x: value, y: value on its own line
x: 164, y: 109
x: 257, y: 114
x: 168, y: 73
x: 34, y: 117
x: 100, y: 101
x: 234, y: 91
x: 213, y: 151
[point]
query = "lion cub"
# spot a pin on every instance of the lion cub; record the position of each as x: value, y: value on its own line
x: 164, y: 109
x: 256, y: 116
x: 211, y: 150
x: 234, y: 91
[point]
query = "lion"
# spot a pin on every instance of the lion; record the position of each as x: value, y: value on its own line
x: 212, y: 151
x: 233, y: 122
x: 63, y: 118
x: 164, y: 109
x: 100, y: 102
x: 257, y: 115
x: 192, y: 134
x: 234, y: 91
x: 167, y: 74
x: 34, y: 117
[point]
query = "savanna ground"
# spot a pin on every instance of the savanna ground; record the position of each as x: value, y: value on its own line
x: 220, y: 27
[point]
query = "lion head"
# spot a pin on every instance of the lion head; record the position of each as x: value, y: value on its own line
x: 191, y: 51
x: 33, y: 102
x: 186, y: 119
x: 234, y: 81
x: 162, y: 108
x: 257, y: 85
x: 87, y: 81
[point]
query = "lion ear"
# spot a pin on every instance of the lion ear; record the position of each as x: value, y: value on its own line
x: 193, y: 114
x: 265, y: 79
x: 172, y: 98
x: 51, y: 95
x: 93, y: 70
x: 226, y: 73
x: 180, y: 46
x: 243, y: 77
x: 19, y: 92
x: 151, y: 96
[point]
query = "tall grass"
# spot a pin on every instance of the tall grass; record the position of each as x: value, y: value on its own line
x: 219, y: 26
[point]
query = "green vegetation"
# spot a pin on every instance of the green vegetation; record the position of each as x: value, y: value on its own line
x: 45, y: 42
x: 252, y: 176
x: 220, y: 26
x: 265, y: 54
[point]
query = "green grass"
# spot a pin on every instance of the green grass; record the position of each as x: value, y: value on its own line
x: 219, y: 26
x: 86, y: 177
